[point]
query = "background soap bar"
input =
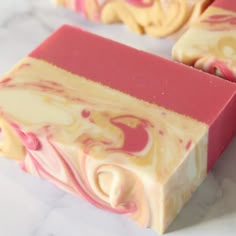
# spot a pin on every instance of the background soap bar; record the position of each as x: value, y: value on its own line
x: 210, y: 44
x: 159, y: 18
x: 126, y: 130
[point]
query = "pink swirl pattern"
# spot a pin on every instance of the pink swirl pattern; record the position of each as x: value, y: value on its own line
x: 216, y: 67
x: 141, y: 3
x: 58, y: 162
x: 215, y: 50
x: 80, y: 5
x: 117, y: 152
x: 159, y: 18
x: 220, y: 22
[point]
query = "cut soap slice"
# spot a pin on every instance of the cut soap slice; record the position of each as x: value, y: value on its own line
x: 159, y: 18
x: 210, y: 44
x: 126, y: 130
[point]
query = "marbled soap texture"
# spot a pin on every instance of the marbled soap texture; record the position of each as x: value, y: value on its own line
x: 99, y: 144
x: 33, y: 207
x: 159, y: 18
x: 210, y: 44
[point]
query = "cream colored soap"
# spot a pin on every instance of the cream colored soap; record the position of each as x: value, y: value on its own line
x: 210, y: 44
x: 159, y: 18
x: 120, y: 153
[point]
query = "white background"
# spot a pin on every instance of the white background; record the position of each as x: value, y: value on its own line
x: 32, y: 207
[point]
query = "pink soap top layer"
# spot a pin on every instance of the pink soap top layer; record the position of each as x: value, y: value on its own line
x: 225, y: 4
x: 142, y: 75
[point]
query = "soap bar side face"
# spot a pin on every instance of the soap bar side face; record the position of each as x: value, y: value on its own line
x: 221, y: 132
x: 173, y: 203
x: 89, y: 140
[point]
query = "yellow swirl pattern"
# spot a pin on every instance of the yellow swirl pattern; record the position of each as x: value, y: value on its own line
x: 210, y: 44
x: 159, y: 18
x: 120, y: 153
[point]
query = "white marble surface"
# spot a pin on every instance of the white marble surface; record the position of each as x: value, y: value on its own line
x: 32, y: 207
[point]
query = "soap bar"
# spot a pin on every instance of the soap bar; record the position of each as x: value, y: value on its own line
x: 124, y: 129
x: 159, y: 18
x: 210, y: 44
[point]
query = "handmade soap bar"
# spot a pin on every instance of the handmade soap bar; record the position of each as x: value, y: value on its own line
x: 159, y: 18
x: 210, y: 44
x: 124, y: 129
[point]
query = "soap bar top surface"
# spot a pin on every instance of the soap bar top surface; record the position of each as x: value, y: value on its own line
x: 159, y: 18
x: 209, y: 44
x: 139, y: 74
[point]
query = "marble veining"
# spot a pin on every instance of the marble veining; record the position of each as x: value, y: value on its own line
x: 33, y: 207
